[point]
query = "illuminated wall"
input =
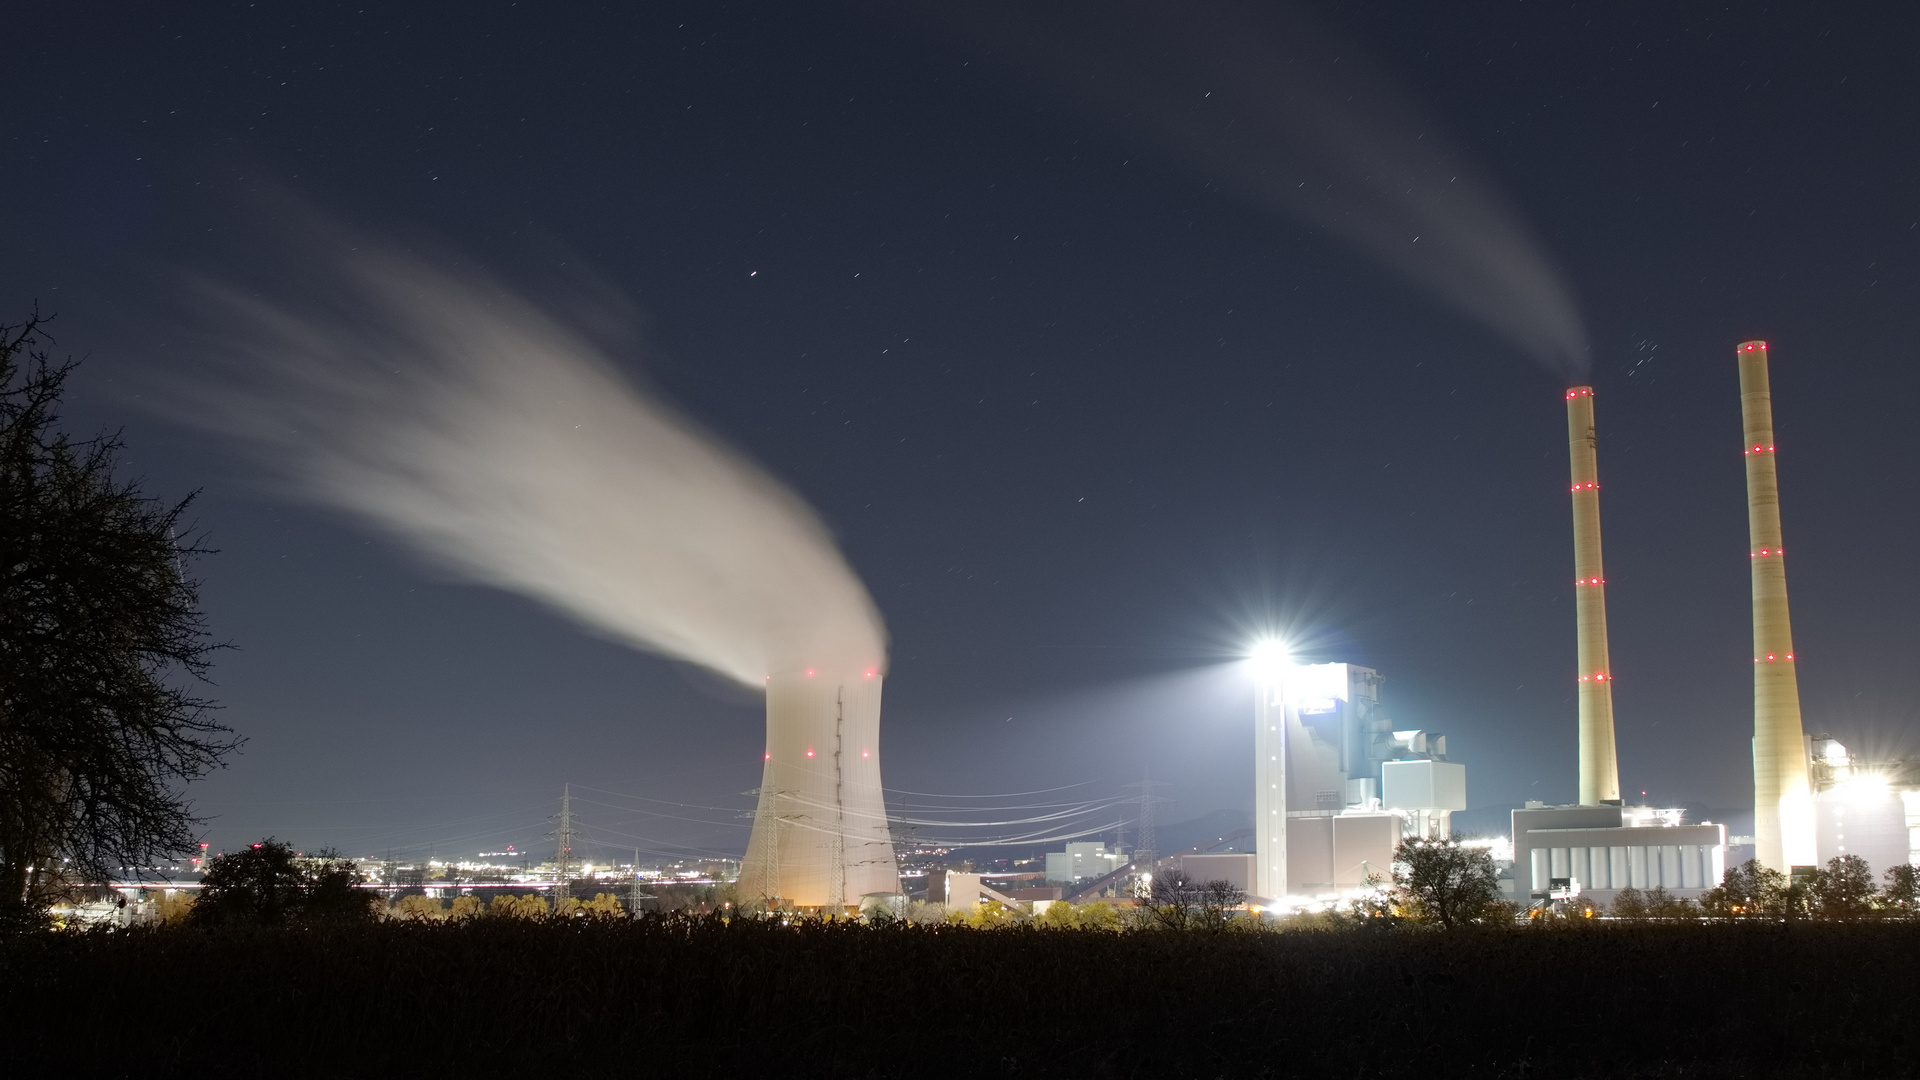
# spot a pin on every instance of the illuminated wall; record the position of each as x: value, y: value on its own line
x: 820, y: 836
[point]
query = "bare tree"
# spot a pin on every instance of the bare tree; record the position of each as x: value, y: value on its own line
x: 101, y: 638
x: 1178, y: 901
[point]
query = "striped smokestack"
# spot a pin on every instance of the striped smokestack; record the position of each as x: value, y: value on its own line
x: 1782, y: 800
x: 1599, y: 769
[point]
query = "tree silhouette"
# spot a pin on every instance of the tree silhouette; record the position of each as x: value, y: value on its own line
x: 1445, y: 882
x: 1178, y: 901
x: 270, y: 884
x: 1844, y: 889
x: 1902, y: 895
x: 1748, y: 891
x: 100, y: 628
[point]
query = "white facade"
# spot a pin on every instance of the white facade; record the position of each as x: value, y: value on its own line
x: 1334, y: 852
x: 1608, y: 848
x: 1236, y: 870
x: 1427, y: 792
x: 1864, y: 819
x: 1082, y: 862
x: 1869, y: 810
x: 1322, y: 750
x: 1270, y: 715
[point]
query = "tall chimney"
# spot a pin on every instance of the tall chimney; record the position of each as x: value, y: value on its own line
x: 1782, y: 801
x: 1599, y: 768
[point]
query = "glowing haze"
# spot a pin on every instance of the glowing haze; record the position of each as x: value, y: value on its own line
x: 498, y: 440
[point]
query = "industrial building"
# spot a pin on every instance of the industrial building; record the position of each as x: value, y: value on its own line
x: 1597, y: 846
x: 1083, y: 862
x: 1337, y: 787
x: 1865, y: 809
x: 1595, y: 851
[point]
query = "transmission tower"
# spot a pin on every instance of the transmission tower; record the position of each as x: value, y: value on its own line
x: 1144, y: 853
x: 563, y: 859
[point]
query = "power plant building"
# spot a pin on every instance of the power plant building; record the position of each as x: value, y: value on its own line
x: 1595, y: 851
x: 1083, y: 862
x: 1868, y: 810
x: 1337, y: 788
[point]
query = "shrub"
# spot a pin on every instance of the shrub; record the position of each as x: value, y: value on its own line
x: 417, y: 906
x: 602, y: 906
x: 529, y: 906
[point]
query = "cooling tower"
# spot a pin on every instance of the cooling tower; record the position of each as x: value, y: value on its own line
x: 1783, y: 833
x: 1599, y: 769
x: 820, y: 836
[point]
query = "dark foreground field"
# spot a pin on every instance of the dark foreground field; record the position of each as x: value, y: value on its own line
x: 684, y: 998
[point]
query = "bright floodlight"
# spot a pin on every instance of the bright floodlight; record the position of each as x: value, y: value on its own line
x: 1269, y: 660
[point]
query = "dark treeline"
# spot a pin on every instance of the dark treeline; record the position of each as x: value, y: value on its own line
x: 698, y: 996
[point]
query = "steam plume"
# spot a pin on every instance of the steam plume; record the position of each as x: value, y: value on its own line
x: 1261, y: 99
x: 502, y: 444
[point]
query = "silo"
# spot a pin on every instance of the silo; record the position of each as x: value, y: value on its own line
x: 1783, y: 829
x: 1599, y: 768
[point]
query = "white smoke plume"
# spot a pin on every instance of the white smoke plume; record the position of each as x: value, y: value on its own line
x: 496, y: 439
x: 1261, y: 98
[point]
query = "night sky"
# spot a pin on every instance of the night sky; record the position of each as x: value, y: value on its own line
x: 1084, y: 414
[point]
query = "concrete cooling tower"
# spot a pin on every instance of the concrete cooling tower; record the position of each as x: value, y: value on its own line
x: 1783, y: 826
x: 820, y: 837
x: 1599, y: 768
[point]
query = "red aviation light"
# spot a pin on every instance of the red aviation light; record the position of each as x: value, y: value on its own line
x: 1753, y: 346
x: 1758, y: 449
x: 869, y: 674
x: 1579, y: 391
x: 1591, y: 485
x: 864, y: 753
x: 1589, y: 581
x: 809, y: 673
x: 1766, y: 552
x: 809, y: 751
x: 1598, y: 676
x: 768, y: 756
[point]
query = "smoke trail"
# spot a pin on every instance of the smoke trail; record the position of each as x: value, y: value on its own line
x: 496, y: 440
x: 1262, y: 100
